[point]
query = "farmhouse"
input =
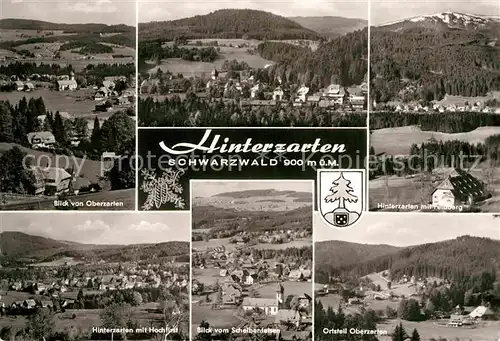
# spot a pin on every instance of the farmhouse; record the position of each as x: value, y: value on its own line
x: 19, y: 85
x: 268, y: 305
x: 459, y: 188
x: 482, y: 312
x: 29, y: 87
x: 301, y: 94
x: 288, y: 316
x: 336, y: 93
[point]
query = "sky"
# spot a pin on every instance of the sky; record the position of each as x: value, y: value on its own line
x: 161, y: 10
x: 72, y: 11
x: 101, y: 228
x: 385, y: 11
x: 404, y: 229
x: 210, y: 188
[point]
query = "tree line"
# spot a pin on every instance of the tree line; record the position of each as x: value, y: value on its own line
x: 448, y: 122
x: 227, y: 24
x: 197, y: 112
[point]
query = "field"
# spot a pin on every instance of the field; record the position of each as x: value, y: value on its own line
x: 64, y: 261
x: 275, y: 202
x: 84, y: 320
x: 485, y: 331
x: 76, y: 103
x: 397, y: 141
x: 89, y: 168
x: 291, y: 288
x: 223, y: 318
x: 125, y: 196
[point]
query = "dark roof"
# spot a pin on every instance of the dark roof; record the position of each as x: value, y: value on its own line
x: 463, y: 185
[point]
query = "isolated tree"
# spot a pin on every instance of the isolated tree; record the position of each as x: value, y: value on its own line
x: 341, y: 192
x: 15, y: 173
x: 137, y: 298
x: 40, y: 325
x: 415, y: 336
x: 173, y: 314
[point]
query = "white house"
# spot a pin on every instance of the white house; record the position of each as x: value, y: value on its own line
x: 335, y: 92
x: 268, y: 305
x: 302, y: 94
x: 254, y: 90
x: 19, y: 85
x: 457, y: 189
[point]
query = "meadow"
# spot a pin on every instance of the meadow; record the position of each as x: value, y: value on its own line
x: 192, y: 69
x: 204, y: 245
x: 397, y: 141
x: 16, y: 35
x: 412, y: 190
x: 223, y: 318
x: 291, y: 288
x: 207, y: 276
x: 484, y: 331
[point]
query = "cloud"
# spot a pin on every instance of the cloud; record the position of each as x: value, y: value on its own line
x: 149, y: 227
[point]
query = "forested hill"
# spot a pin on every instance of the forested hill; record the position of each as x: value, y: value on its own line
x: 14, y: 245
x: 456, y: 259
x: 27, y: 24
x: 227, y: 24
x: 339, y: 254
x: 342, y: 60
x: 434, y: 61
x: 330, y: 26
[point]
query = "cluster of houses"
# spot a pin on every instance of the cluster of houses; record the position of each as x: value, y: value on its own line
x: 332, y: 97
x: 103, y: 94
x: 459, y: 188
x: 246, y: 269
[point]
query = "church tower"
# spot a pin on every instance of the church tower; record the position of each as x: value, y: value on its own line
x: 280, y: 293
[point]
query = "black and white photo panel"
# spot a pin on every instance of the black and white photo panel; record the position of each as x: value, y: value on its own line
x: 253, y: 63
x: 67, y: 105
x: 435, y: 96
